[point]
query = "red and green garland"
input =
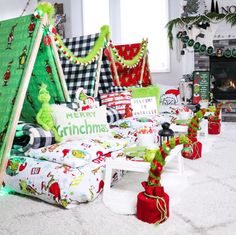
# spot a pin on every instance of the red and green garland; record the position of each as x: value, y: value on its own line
x: 132, y: 62
x: 159, y: 160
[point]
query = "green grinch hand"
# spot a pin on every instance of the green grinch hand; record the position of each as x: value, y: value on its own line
x: 44, y: 117
x: 196, y: 89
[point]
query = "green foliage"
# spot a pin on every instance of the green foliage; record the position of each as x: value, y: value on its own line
x: 181, y: 22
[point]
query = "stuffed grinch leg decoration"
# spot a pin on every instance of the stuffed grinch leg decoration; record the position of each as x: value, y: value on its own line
x: 44, y: 117
x: 153, y: 203
x: 214, y: 121
x: 193, y: 127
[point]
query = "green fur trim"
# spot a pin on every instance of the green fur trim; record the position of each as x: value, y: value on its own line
x: 135, y: 60
x: 47, y: 8
x: 94, y: 52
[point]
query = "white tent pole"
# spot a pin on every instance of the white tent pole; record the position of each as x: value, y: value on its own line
x: 60, y: 71
x: 20, y: 99
x: 98, y: 74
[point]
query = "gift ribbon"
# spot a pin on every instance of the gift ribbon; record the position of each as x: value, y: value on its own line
x: 162, y: 210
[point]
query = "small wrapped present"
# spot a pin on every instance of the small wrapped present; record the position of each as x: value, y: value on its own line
x: 152, y: 204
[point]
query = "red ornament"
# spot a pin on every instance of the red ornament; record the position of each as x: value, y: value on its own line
x: 54, y: 31
x: 47, y: 40
x: 187, y: 151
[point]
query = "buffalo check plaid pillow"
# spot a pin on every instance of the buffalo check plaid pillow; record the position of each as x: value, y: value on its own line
x: 117, y: 100
x: 84, y: 76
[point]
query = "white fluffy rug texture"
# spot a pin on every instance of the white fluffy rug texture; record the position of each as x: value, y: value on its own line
x: 202, y: 201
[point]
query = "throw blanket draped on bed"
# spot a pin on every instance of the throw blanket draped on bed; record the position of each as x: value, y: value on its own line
x: 31, y: 136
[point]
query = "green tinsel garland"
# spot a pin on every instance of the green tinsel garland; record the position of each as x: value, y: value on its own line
x: 47, y: 8
x: 94, y: 52
x: 135, y: 60
x: 229, y: 18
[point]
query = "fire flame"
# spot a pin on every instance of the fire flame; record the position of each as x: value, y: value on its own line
x: 231, y: 84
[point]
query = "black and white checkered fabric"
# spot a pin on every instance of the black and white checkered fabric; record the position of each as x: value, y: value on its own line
x: 106, y: 80
x: 84, y: 76
x: 113, y: 115
x: 30, y: 136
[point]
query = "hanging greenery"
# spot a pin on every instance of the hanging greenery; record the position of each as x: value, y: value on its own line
x: 47, y: 8
x: 135, y: 60
x: 209, y: 17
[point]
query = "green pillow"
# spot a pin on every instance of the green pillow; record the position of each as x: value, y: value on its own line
x: 143, y: 92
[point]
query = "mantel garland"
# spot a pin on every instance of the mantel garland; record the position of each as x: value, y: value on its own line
x: 135, y: 60
x: 202, y: 48
x: 47, y: 8
x: 209, y: 17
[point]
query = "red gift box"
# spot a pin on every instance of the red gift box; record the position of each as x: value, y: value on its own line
x: 214, y: 126
x: 196, y: 149
x: 152, y: 204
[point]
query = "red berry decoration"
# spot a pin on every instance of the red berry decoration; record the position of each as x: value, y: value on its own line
x: 47, y: 40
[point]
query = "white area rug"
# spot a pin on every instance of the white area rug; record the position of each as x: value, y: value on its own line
x: 205, y: 203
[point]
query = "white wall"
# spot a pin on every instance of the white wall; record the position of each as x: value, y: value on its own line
x: 76, y: 18
x: 176, y: 61
x: 13, y: 8
x: 67, y: 11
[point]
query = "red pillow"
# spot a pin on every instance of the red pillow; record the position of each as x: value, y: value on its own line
x: 117, y: 100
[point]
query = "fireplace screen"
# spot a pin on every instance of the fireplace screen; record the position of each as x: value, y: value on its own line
x: 223, y: 71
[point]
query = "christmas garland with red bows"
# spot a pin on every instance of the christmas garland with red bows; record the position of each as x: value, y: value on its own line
x: 159, y: 160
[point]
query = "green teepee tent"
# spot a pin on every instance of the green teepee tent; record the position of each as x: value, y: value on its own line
x: 25, y: 63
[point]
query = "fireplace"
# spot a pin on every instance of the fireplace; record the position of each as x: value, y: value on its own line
x: 224, y: 77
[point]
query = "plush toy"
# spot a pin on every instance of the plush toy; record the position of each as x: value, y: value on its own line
x: 44, y: 117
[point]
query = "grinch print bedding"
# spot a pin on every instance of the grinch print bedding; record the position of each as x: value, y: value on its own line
x: 55, y: 183
x: 78, y: 153
x: 64, y: 174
